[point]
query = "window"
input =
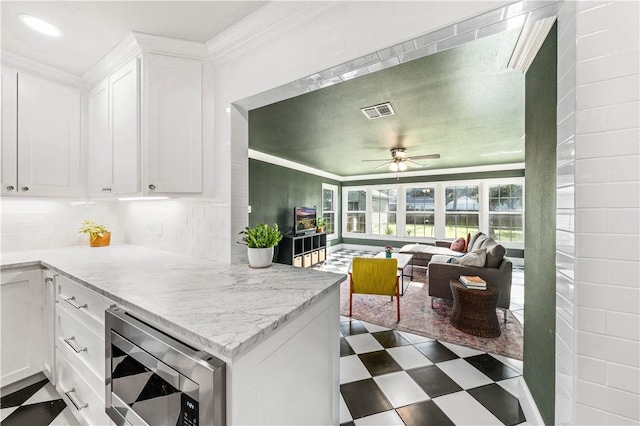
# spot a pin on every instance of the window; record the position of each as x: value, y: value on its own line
x: 329, y: 202
x: 419, y: 212
x: 383, y: 211
x: 506, y: 213
x: 462, y: 205
x: 356, y: 211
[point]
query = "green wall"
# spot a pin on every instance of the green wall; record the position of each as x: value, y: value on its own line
x: 540, y: 229
x: 274, y: 191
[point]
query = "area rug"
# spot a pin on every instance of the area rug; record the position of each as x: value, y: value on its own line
x: 417, y: 316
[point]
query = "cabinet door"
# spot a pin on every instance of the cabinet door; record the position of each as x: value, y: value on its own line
x: 21, y: 330
x: 8, y: 123
x: 173, y: 123
x: 48, y: 137
x: 124, y: 128
x: 48, y: 321
x: 100, y: 176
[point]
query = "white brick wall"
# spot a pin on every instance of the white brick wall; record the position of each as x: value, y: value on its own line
x: 598, y: 331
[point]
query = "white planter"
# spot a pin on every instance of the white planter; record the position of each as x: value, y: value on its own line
x: 260, y: 257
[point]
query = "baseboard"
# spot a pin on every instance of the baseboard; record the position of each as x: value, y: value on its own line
x: 21, y: 384
x: 529, y: 407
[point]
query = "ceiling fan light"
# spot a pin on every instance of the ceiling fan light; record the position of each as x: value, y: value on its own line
x: 393, y: 167
x: 402, y: 166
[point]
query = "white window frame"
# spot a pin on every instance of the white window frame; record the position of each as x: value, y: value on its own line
x: 439, y: 213
x: 336, y: 215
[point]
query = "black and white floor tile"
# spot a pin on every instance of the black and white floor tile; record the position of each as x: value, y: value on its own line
x: 36, y: 405
x: 387, y: 377
x: 390, y: 377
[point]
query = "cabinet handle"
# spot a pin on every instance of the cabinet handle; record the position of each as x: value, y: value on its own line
x: 72, y: 302
x: 152, y: 187
x: 79, y: 405
x: 48, y: 280
x: 10, y: 188
x: 73, y: 345
x: 25, y: 188
x: 107, y: 189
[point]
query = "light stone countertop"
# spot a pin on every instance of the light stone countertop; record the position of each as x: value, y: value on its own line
x: 227, y: 308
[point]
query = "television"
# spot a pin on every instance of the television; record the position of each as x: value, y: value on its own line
x: 304, y: 220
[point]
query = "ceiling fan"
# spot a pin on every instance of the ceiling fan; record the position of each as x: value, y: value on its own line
x: 399, y: 161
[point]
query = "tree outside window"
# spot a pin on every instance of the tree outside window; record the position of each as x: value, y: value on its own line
x: 383, y: 212
x: 357, y: 211
x: 462, y: 206
x: 419, y: 208
x: 506, y: 213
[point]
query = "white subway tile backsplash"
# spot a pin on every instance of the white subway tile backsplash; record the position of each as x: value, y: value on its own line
x: 621, y: 351
x: 623, y: 325
x: 591, y: 370
x: 605, y: 144
x: 623, y: 116
x: 623, y: 273
x: 591, y: 320
x: 587, y: 415
x: 623, y: 221
x: 614, y: 420
x: 607, y: 399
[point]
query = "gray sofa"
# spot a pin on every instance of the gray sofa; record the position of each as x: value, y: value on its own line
x: 422, y: 253
x: 496, y: 271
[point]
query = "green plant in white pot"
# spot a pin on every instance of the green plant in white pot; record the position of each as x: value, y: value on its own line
x: 260, y: 241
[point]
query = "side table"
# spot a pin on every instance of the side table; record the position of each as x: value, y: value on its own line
x: 474, y: 311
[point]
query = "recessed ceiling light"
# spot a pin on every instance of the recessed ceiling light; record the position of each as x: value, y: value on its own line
x: 40, y: 25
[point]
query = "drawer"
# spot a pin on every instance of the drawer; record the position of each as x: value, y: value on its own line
x: 306, y: 260
x: 85, y: 304
x: 84, y: 400
x: 297, y: 261
x: 79, y: 343
x: 314, y: 257
x: 321, y: 255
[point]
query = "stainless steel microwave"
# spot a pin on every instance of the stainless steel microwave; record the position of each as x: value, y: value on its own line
x: 153, y: 379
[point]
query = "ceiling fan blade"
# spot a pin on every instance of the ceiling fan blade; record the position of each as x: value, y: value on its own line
x: 382, y: 165
x: 424, y: 157
x: 386, y: 159
x: 417, y: 164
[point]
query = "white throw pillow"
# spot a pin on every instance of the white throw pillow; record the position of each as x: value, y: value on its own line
x: 475, y: 258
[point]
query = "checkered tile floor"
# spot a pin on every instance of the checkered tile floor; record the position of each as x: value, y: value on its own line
x: 36, y: 405
x: 389, y: 377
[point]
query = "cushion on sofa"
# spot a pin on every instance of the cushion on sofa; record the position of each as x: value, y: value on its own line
x: 466, y: 242
x: 458, y: 245
x: 495, y: 254
x: 478, y: 242
x: 473, y: 239
x: 475, y: 258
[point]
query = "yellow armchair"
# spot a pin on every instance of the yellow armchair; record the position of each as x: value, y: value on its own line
x: 374, y: 276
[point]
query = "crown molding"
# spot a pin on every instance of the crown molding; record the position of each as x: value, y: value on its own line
x: 121, y: 53
x: 28, y: 65
x: 160, y: 45
x: 266, y: 23
x: 277, y: 161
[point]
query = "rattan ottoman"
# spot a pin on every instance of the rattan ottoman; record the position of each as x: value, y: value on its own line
x: 474, y: 311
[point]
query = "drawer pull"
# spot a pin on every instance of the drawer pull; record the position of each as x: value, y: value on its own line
x: 79, y: 406
x: 73, y: 346
x: 72, y: 302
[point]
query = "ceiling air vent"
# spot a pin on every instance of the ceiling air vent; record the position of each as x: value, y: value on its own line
x: 378, y: 111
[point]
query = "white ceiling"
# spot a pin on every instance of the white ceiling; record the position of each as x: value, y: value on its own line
x: 92, y: 28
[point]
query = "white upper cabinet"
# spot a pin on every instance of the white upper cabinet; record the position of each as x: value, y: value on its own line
x: 9, y: 124
x: 114, y: 129
x: 172, y: 124
x: 41, y: 156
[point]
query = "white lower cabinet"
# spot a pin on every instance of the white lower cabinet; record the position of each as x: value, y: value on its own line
x: 85, y: 400
x: 22, y: 344
x: 80, y: 352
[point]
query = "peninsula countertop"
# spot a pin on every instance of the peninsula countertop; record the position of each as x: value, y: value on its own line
x: 225, y: 307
